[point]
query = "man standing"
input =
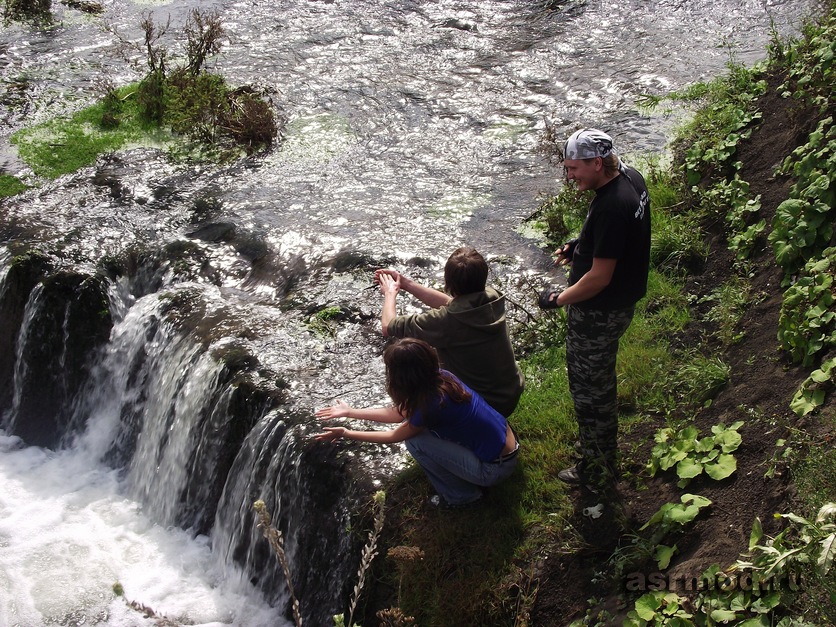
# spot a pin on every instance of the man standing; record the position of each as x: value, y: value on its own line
x: 466, y: 325
x: 609, y: 266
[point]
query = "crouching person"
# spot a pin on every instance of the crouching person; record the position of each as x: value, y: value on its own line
x: 461, y: 443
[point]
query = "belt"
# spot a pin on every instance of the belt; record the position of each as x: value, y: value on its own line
x: 507, y: 456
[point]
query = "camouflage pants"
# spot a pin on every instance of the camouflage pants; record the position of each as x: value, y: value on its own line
x: 591, y: 349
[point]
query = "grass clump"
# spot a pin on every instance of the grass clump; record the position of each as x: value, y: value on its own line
x: 11, y: 186
x: 61, y: 146
x: 38, y: 12
x: 186, y: 107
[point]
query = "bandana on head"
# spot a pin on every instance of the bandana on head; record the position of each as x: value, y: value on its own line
x: 588, y: 143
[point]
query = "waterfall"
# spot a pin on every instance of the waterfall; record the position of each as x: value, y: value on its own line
x: 181, y: 419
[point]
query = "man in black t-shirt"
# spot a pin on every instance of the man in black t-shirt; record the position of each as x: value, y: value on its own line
x: 609, y: 267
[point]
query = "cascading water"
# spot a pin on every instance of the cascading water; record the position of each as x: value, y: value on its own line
x: 162, y: 337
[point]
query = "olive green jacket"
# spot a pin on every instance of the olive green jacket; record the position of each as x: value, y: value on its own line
x: 471, y: 337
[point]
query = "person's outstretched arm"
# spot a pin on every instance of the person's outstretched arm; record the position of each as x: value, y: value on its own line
x: 402, y: 432
x: 341, y: 409
x: 590, y: 284
x: 390, y: 288
x: 427, y: 295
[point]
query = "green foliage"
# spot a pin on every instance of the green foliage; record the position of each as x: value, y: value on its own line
x: 677, y: 242
x: 809, y: 63
x: 758, y: 589
x: 686, y: 380
x: 672, y: 516
x: 659, y: 608
x: 807, y: 324
x: 151, y: 97
x: 11, y: 185
x: 804, y: 543
x: 564, y: 213
x: 743, y: 599
x: 668, y: 522
x: 814, y: 389
x: 692, y: 455
x: 36, y: 11
x: 323, y: 322
x: 709, y: 142
x: 111, y: 108
x: 729, y: 302
x: 191, y: 102
x: 754, y: 592
x: 803, y: 224
x: 60, y: 146
x: 196, y: 105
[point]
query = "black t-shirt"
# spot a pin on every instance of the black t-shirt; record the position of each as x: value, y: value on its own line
x: 617, y: 227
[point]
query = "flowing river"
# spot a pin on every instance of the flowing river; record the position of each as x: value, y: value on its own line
x: 413, y: 127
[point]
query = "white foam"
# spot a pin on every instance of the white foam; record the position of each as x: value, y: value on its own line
x: 67, y: 536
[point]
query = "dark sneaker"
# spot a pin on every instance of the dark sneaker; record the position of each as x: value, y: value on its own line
x: 571, y: 475
x: 595, y: 482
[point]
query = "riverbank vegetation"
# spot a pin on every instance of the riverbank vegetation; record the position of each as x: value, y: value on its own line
x: 725, y: 375
x: 725, y: 378
x: 182, y: 106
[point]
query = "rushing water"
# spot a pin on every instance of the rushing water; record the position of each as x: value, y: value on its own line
x: 412, y: 128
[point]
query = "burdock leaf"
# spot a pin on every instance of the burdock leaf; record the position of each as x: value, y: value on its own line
x: 828, y: 551
x: 663, y: 554
x: 688, y: 469
x: 723, y: 467
x: 646, y: 606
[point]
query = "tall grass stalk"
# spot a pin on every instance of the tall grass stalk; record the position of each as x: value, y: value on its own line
x: 274, y: 537
x: 369, y: 553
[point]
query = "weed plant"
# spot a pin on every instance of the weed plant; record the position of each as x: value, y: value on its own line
x: 187, y: 108
x: 36, y: 11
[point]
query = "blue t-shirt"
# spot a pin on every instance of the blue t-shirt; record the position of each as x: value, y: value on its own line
x: 473, y: 424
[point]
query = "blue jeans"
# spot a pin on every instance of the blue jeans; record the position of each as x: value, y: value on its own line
x: 453, y: 470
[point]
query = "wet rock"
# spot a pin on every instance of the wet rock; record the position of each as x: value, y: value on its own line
x: 66, y: 319
x: 458, y: 24
x: 25, y: 272
x: 214, y: 232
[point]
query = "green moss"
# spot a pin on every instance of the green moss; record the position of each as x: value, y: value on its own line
x: 11, y: 185
x: 65, y: 145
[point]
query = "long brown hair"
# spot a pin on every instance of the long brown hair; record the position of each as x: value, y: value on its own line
x: 414, y: 381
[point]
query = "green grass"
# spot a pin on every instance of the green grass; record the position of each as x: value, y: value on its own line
x: 11, y: 186
x: 474, y: 554
x: 65, y: 145
x: 471, y: 574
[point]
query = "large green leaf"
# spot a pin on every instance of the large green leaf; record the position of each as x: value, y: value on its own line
x: 756, y: 535
x: 723, y: 467
x: 723, y: 616
x: 663, y: 554
x: 688, y: 469
x: 646, y: 606
x: 728, y: 440
x: 828, y: 551
x: 684, y: 514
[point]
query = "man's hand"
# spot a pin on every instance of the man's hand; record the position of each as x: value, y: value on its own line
x: 389, y: 286
x: 387, y: 271
x: 563, y: 255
